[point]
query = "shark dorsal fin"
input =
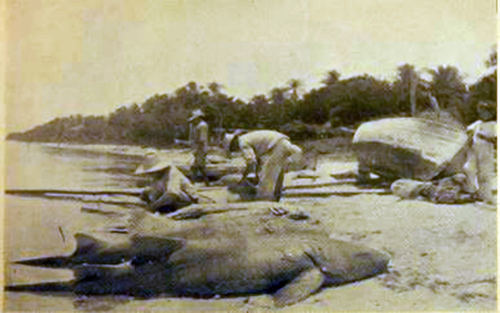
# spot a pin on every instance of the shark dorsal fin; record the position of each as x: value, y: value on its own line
x: 156, y: 245
x: 86, y: 244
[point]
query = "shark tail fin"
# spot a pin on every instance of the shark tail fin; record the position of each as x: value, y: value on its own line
x: 47, y: 262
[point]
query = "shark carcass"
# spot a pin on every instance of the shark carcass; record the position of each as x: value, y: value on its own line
x: 206, y: 251
x: 414, y: 148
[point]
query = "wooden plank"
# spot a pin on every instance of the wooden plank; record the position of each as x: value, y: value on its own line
x: 331, y: 192
x: 89, y: 198
x: 41, y: 192
x: 97, y: 210
x: 320, y: 185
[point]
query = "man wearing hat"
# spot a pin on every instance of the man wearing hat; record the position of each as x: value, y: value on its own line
x: 169, y: 189
x: 267, y: 154
x: 200, y: 144
x: 480, y: 167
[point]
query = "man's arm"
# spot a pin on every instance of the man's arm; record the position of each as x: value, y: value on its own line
x: 201, y: 133
x: 485, y: 136
x: 250, y: 159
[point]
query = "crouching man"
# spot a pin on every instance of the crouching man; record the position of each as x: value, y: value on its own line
x: 267, y: 154
x: 168, y: 189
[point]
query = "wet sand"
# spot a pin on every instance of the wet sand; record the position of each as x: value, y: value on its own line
x: 444, y: 258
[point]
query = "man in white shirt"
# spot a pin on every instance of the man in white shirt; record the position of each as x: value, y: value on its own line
x: 267, y: 154
x: 480, y: 167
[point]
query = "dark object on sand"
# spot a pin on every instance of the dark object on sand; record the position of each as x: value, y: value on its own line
x: 246, y: 189
x: 449, y: 190
x: 214, y: 172
x: 236, y: 250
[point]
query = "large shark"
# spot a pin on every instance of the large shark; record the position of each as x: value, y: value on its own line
x: 208, y: 251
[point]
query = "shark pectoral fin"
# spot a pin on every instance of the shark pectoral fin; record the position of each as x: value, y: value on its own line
x: 300, y: 288
x: 84, y: 271
x: 155, y: 246
x: 86, y: 244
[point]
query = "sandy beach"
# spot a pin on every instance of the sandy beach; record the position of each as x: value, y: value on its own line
x: 443, y: 256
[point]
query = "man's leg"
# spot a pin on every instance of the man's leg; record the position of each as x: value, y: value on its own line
x: 484, y: 152
x: 200, y: 165
x: 470, y: 171
x: 272, y: 172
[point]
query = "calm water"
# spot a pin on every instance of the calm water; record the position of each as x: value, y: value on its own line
x: 36, y: 227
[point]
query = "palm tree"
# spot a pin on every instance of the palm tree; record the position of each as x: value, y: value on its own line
x: 278, y: 100
x: 492, y: 61
x: 215, y: 88
x: 193, y: 87
x: 294, y: 86
x: 449, y: 89
x: 405, y: 88
x: 259, y: 110
x: 332, y: 78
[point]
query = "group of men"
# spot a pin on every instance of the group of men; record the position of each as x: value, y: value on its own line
x: 269, y: 153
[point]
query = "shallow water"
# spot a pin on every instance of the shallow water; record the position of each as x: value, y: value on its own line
x: 36, y: 227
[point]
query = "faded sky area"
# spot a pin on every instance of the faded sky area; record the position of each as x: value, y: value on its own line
x: 92, y: 56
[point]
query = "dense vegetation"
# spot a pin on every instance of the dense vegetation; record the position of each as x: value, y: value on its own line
x: 338, y: 102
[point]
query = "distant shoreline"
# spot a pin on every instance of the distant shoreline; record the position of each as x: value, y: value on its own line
x: 334, y: 146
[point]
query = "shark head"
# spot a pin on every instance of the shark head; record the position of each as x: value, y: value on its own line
x: 342, y: 262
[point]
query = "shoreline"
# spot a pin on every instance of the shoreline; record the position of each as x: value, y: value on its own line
x: 327, y: 146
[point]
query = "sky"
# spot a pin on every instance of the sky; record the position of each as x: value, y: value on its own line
x: 92, y: 56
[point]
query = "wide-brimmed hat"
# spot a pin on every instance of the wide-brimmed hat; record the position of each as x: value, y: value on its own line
x: 152, y: 164
x: 229, y: 137
x: 195, y: 115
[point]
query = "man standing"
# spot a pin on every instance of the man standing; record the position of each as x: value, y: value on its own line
x: 267, y: 154
x: 200, y: 144
x: 480, y: 167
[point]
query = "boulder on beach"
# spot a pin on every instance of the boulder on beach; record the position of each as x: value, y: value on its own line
x: 413, y: 148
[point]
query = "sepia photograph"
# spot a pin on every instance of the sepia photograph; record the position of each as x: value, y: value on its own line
x: 249, y: 155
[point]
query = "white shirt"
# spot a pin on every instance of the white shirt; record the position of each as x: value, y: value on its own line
x: 257, y: 143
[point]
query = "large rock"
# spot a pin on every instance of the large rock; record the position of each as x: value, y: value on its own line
x: 410, y: 148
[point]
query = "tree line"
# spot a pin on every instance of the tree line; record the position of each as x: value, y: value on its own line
x: 338, y: 102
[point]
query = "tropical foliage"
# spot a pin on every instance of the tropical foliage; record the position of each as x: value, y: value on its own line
x: 337, y: 103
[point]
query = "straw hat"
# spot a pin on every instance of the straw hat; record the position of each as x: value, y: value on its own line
x: 152, y: 164
x: 195, y: 115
